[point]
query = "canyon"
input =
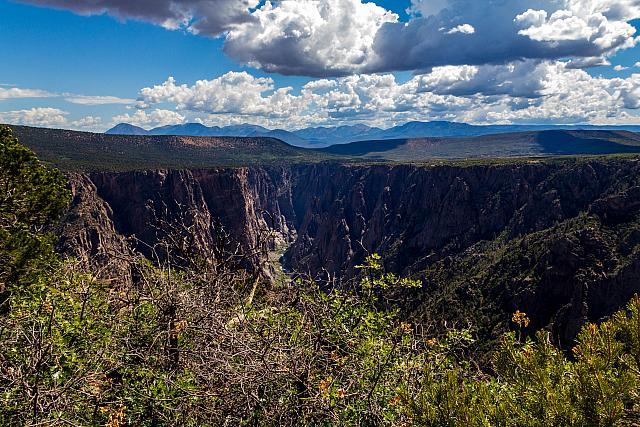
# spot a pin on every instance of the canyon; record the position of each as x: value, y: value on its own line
x: 557, y: 238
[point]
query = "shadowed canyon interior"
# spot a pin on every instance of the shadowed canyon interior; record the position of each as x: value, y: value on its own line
x: 557, y: 238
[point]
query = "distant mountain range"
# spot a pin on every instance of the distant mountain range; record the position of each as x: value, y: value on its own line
x: 319, y: 137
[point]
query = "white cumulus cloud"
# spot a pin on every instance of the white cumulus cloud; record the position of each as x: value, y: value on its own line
x: 232, y: 93
x: 45, y: 117
x: 312, y: 37
x: 507, y: 31
x: 87, y: 123
x: 462, y: 29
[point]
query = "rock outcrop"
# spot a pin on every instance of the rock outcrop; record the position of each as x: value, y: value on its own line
x: 132, y: 212
x: 88, y: 233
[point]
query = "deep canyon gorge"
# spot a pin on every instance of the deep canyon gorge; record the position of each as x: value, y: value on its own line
x: 555, y: 238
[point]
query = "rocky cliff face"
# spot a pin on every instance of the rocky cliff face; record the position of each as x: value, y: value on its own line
x: 241, y: 208
x: 420, y: 218
x: 88, y: 233
x: 416, y: 215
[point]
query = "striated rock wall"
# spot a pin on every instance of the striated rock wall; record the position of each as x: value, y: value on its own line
x: 332, y: 216
x: 88, y: 233
x: 420, y: 218
x: 130, y: 212
x: 415, y: 215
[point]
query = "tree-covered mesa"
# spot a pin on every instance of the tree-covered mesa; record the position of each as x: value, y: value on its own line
x: 203, y: 343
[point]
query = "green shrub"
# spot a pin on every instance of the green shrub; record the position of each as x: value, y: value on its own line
x: 32, y: 197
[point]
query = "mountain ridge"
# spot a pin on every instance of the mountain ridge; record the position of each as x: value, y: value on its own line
x: 72, y: 150
x: 523, y: 144
x: 80, y: 151
x: 321, y: 137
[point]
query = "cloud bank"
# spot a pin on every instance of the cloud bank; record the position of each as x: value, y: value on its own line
x: 475, y: 61
x: 529, y: 91
x: 524, y: 91
x: 325, y: 38
x: 506, y: 31
x: 48, y: 117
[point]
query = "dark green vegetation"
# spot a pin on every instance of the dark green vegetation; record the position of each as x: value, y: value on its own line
x: 526, y: 144
x: 70, y: 150
x: 199, y: 342
x: 81, y: 151
x: 31, y: 196
x: 579, y: 269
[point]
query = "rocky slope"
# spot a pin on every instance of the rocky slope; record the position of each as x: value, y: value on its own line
x: 136, y: 212
x: 487, y: 238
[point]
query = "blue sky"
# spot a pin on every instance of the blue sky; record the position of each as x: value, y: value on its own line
x: 441, y: 60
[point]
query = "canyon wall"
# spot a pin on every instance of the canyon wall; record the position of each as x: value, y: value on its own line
x: 415, y: 215
x: 243, y: 209
x: 420, y: 218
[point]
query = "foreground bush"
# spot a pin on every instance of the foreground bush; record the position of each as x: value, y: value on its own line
x: 32, y: 197
x: 74, y: 351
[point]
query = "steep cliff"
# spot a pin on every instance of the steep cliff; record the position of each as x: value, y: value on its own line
x: 458, y: 227
x: 133, y: 212
x: 88, y: 233
x: 556, y: 239
x: 417, y: 215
